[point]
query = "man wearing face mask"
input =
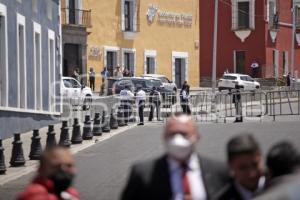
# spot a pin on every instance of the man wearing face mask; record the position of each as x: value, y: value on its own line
x: 54, y: 178
x: 180, y: 174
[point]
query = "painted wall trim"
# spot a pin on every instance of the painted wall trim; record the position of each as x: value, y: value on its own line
x: 21, y: 21
x: 3, y: 12
x: 37, y: 30
x: 51, y: 69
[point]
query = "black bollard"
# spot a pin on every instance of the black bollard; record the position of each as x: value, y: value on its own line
x: 120, y: 117
x: 51, y: 140
x: 97, y: 129
x: 105, y: 123
x: 76, y: 133
x: 36, y: 146
x: 2, y: 159
x: 87, y: 129
x: 113, y: 121
x: 17, y: 155
x: 64, y: 139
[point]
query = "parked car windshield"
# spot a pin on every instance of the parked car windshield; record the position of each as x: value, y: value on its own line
x: 156, y: 83
x: 143, y: 83
x: 227, y: 77
x: 164, y: 79
x: 71, y: 83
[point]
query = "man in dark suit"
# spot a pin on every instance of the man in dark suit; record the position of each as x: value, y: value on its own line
x: 246, y: 165
x: 179, y: 174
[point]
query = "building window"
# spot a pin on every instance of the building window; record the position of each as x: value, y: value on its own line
x: 243, y: 14
x: 297, y: 16
x: 129, y: 15
x: 3, y: 57
x: 273, y: 16
x: 129, y: 60
x: 111, y: 55
x: 275, y: 63
x: 21, y: 60
x: 150, y: 62
x: 51, y: 63
x: 285, y: 62
x: 37, y: 66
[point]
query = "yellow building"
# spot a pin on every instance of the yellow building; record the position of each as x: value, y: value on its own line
x: 145, y: 36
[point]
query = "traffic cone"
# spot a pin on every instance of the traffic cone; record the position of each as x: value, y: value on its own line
x: 120, y: 117
x: 97, y: 129
x: 36, y: 146
x: 113, y: 121
x: 2, y: 159
x: 17, y: 155
x: 64, y: 135
x: 87, y: 129
x: 76, y: 132
x: 105, y: 123
x: 51, y: 140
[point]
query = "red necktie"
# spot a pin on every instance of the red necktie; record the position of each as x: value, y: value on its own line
x: 185, y: 183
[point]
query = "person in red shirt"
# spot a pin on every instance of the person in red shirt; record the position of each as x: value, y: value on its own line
x: 54, y: 178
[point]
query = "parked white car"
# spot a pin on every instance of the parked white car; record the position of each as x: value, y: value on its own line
x: 241, y: 81
x: 167, y: 84
x: 75, y: 92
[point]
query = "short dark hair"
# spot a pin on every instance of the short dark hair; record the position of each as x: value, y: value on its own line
x: 241, y: 145
x: 283, y: 158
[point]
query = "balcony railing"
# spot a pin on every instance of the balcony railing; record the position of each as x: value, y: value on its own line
x: 76, y: 17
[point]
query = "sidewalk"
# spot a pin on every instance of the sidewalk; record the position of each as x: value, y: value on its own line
x: 13, y: 173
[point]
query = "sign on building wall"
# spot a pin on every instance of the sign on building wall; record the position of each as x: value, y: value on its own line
x: 169, y: 18
x: 95, y: 53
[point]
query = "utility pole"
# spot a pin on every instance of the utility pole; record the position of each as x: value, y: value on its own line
x: 214, y: 61
x: 215, y: 42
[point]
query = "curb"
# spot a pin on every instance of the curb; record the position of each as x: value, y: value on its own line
x: 31, y: 165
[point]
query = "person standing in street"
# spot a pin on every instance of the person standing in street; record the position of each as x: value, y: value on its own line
x: 92, y: 77
x: 255, y: 68
x: 141, y: 100
x: 180, y: 173
x: 104, y: 75
x: 54, y: 178
x: 126, y: 96
x: 126, y: 73
x: 184, y: 99
x: 155, y: 102
x: 288, y: 80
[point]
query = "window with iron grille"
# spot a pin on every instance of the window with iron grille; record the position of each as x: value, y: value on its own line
x: 128, y: 13
x: 297, y: 17
x: 243, y: 15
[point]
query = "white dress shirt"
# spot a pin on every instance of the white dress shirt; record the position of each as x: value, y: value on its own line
x: 126, y: 94
x: 194, y: 174
x: 140, y: 96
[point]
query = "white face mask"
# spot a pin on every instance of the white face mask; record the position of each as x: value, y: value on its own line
x: 179, y: 147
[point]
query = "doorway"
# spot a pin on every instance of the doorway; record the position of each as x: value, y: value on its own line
x: 240, y: 61
x: 180, y: 67
x: 71, y: 59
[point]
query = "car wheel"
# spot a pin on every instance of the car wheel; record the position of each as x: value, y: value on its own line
x: 87, y: 102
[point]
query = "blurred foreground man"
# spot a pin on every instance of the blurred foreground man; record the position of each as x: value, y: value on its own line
x: 54, y: 178
x: 246, y: 166
x: 180, y: 174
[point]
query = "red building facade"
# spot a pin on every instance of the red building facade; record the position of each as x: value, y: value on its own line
x: 249, y: 31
